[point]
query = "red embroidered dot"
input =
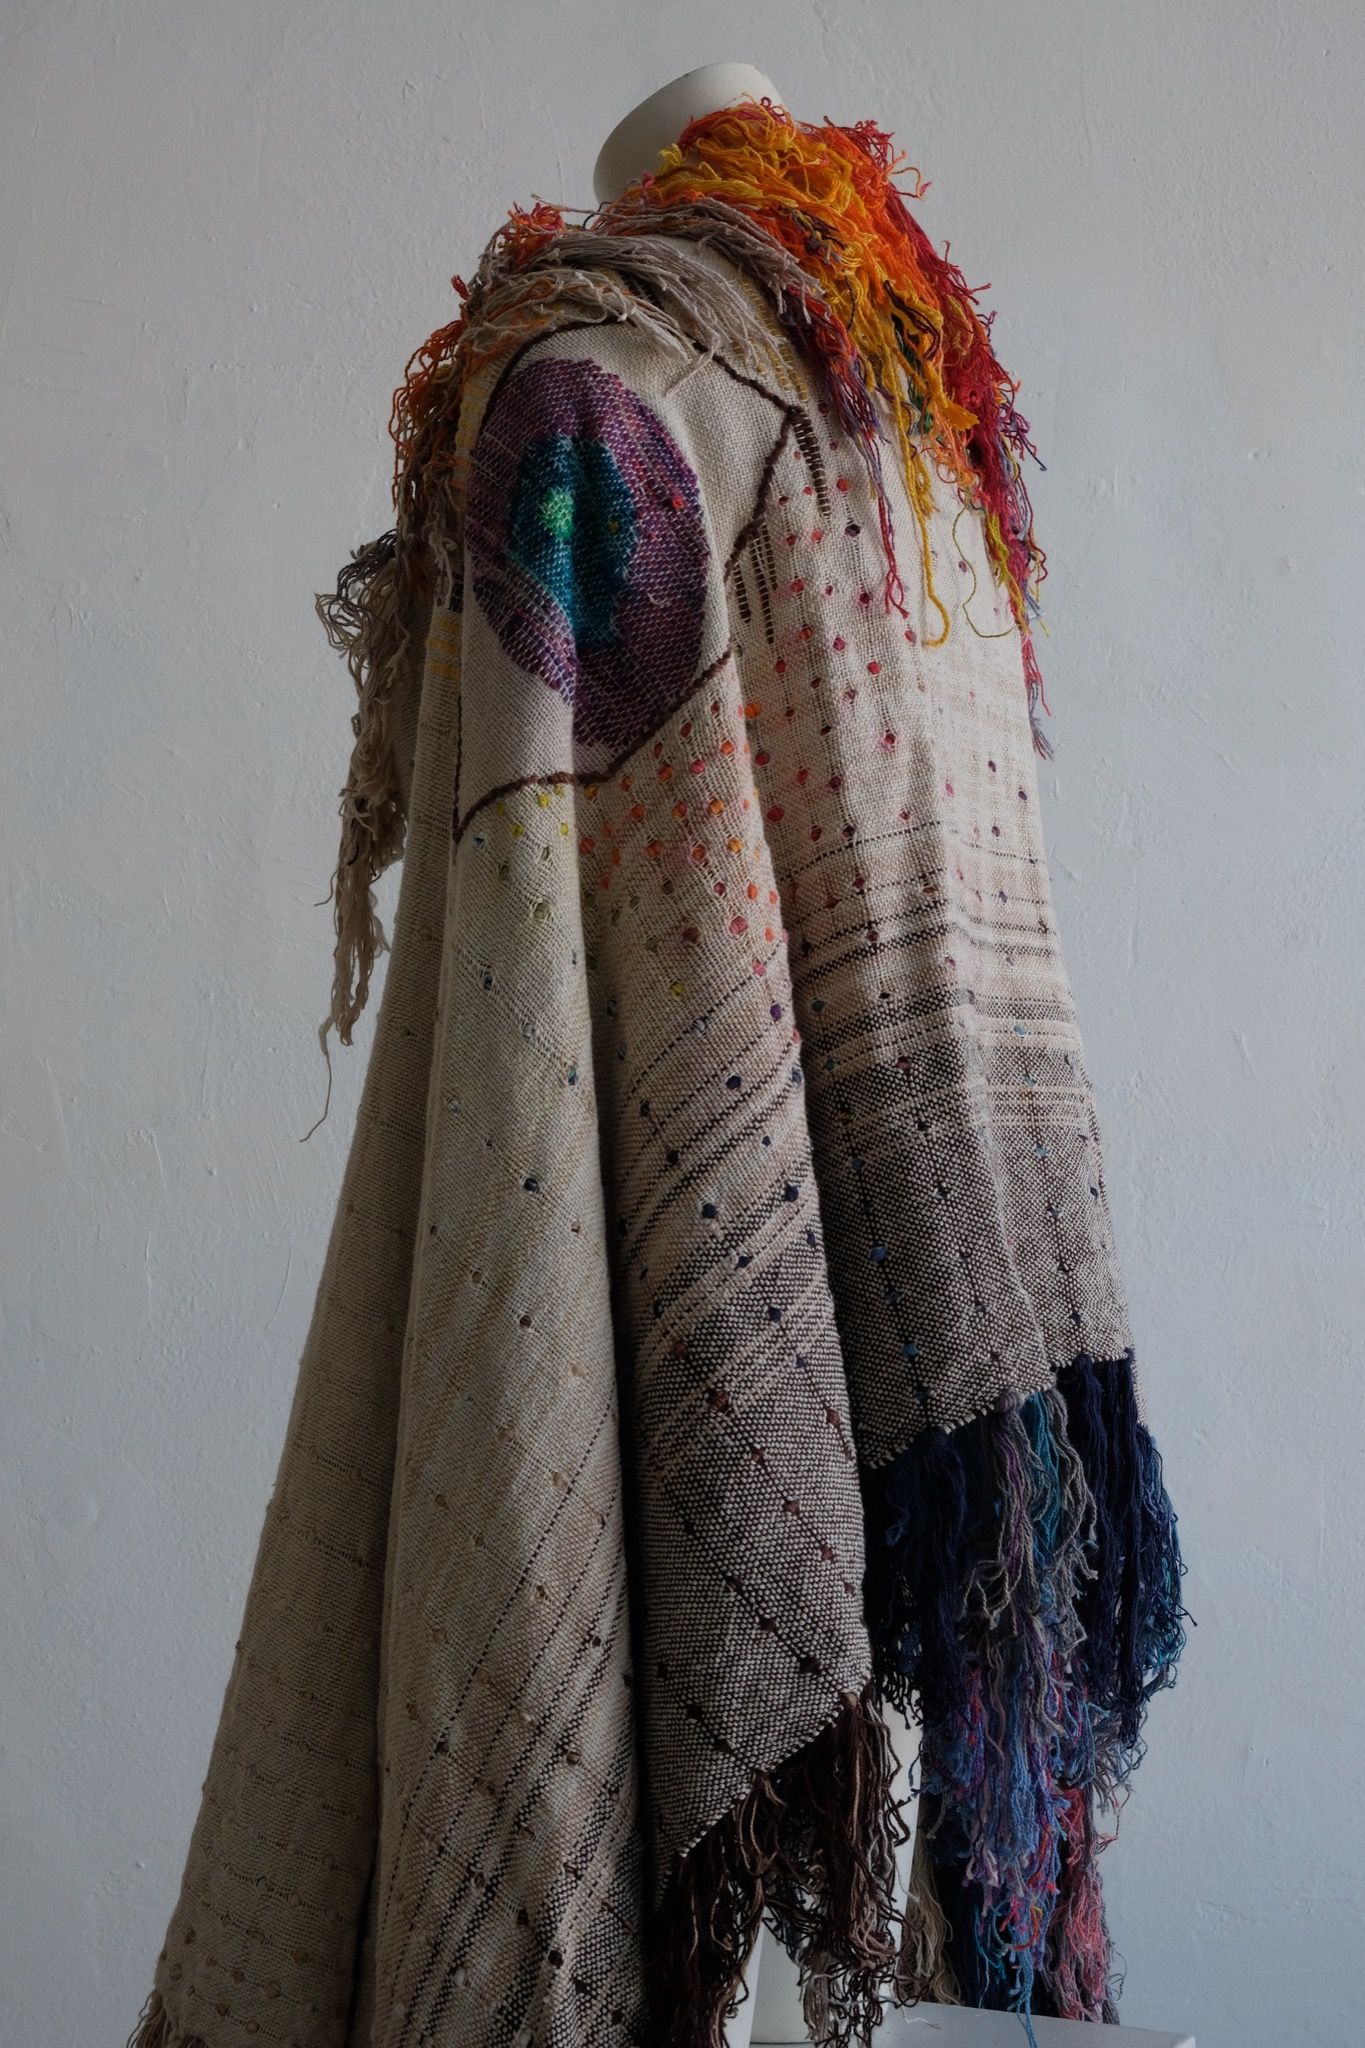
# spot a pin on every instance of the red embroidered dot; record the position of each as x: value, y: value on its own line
x: 874, y: 668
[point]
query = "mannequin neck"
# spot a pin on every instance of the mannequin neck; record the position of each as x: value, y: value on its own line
x: 635, y: 143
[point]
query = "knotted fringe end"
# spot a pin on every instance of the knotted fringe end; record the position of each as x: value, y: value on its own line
x: 154, y: 2029
x: 1023, y: 1595
x: 812, y: 1848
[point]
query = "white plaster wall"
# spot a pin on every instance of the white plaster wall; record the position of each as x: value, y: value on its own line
x: 222, y: 230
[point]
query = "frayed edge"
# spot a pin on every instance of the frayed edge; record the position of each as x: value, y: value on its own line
x: 811, y: 1847
x: 1023, y: 1599
x: 154, y: 2029
x: 363, y: 619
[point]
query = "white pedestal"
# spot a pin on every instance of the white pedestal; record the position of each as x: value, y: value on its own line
x: 950, y: 2026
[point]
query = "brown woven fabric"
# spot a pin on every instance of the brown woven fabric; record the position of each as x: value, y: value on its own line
x: 726, y: 1134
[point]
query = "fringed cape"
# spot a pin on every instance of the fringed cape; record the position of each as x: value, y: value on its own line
x: 721, y: 1342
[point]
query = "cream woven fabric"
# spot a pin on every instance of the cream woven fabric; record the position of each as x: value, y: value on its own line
x: 726, y: 1127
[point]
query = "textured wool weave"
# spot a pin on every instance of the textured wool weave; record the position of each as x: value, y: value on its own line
x: 721, y: 1342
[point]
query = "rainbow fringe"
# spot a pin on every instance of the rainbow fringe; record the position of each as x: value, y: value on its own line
x: 872, y: 308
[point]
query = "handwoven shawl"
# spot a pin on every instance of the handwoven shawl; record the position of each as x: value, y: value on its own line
x: 720, y: 1344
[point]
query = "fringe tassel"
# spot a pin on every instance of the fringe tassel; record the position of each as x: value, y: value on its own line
x: 811, y: 1847
x: 1023, y: 1598
x: 154, y: 2029
x: 363, y: 619
x: 922, y: 1967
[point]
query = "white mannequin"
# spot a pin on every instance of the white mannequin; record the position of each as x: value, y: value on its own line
x: 635, y: 142
x: 632, y: 148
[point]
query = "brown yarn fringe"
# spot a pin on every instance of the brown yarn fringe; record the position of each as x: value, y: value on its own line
x: 811, y: 1847
x: 154, y: 2029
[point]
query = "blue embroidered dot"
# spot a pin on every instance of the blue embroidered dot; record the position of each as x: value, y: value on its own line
x: 774, y: 1313
x: 878, y: 1254
x: 709, y: 1209
x: 789, y: 1193
x: 733, y: 1081
x: 531, y: 1184
x: 909, y: 1350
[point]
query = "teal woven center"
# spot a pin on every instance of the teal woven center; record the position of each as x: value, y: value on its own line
x: 573, y: 527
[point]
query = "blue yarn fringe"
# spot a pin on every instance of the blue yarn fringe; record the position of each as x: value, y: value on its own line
x: 1023, y: 1595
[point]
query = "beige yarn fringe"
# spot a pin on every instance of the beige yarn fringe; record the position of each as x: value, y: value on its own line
x: 364, y: 619
x: 154, y: 2029
x: 922, y: 1966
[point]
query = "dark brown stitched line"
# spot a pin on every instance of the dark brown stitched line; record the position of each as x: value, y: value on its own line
x: 574, y: 776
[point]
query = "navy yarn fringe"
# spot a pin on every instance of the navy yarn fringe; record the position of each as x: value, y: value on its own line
x: 1023, y: 1594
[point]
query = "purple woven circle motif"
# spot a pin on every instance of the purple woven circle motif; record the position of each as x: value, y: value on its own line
x: 587, y: 546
